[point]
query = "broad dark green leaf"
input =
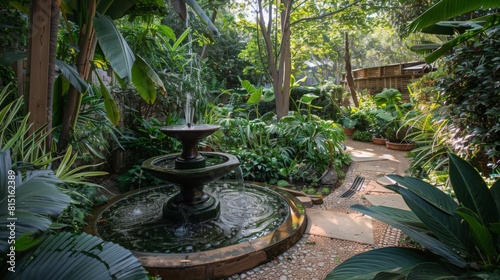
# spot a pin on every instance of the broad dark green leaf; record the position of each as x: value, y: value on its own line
x: 71, y: 74
x: 479, y: 232
x: 8, y: 58
x: 389, y: 276
x: 471, y: 190
x: 450, y: 27
x: 428, y: 192
x: 67, y: 256
x: 36, y: 199
x: 390, y: 259
x: 114, y: 46
x: 432, y: 244
x: 430, y: 271
x: 269, y: 95
x: 446, y: 227
x: 495, y: 193
x: 406, y: 217
x: 115, y: 9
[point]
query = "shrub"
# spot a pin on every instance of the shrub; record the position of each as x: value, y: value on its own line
x: 471, y: 89
x: 363, y: 136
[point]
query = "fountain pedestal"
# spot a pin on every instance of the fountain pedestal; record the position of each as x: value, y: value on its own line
x: 190, y: 172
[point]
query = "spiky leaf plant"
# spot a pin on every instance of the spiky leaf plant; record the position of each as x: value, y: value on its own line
x: 460, y: 238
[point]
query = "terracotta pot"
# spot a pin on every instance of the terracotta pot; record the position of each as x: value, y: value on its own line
x: 349, y: 131
x: 399, y: 146
x: 379, y: 141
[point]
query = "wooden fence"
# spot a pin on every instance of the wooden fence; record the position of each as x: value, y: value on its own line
x: 376, y: 79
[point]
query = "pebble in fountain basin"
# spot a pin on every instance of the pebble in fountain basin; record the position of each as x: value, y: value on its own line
x: 140, y: 219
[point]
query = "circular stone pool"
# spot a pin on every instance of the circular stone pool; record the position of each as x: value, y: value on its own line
x: 256, y: 223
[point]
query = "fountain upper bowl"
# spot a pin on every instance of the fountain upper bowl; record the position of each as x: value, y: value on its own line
x: 162, y: 167
x: 194, y: 132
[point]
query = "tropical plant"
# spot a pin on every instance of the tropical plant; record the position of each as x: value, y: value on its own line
x: 256, y: 95
x: 390, y: 101
x: 447, y: 9
x: 459, y: 237
x: 470, y: 91
x: 28, y: 201
x: 346, y: 117
x: 270, y: 150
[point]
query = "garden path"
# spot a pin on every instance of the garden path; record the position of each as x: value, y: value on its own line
x: 321, y: 250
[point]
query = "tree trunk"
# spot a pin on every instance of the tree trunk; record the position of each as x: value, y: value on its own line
x: 348, y: 70
x: 44, y: 25
x: 280, y: 70
x: 285, y: 63
x: 87, y: 42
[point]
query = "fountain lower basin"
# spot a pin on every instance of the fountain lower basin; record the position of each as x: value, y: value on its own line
x: 222, y: 258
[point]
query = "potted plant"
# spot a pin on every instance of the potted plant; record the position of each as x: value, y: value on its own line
x: 381, y: 119
x: 348, y: 122
x: 349, y: 126
x: 397, y: 137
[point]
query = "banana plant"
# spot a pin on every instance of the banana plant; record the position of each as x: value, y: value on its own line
x: 435, y: 18
x: 460, y: 237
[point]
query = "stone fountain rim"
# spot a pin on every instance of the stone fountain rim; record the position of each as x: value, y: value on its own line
x: 231, y: 161
x: 192, y: 127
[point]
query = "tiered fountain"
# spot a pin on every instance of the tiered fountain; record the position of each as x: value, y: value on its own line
x: 196, y: 227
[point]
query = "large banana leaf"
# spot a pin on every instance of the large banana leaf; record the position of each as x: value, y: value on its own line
x: 446, y: 227
x: 471, y: 190
x: 114, y: 46
x: 68, y: 256
x: 115, y: 9
x: 435, y: 246
x: 367, y: 265
x: 446, y: 9
x: 36, y: 198
x: 199, y: 11
x: 145, y: 80
x: 471, y: 33
x: 72, y: 75
x: 109, y: 103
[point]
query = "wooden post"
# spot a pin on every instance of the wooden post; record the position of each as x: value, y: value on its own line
x: 37, y: 102
x: 348, y: 70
